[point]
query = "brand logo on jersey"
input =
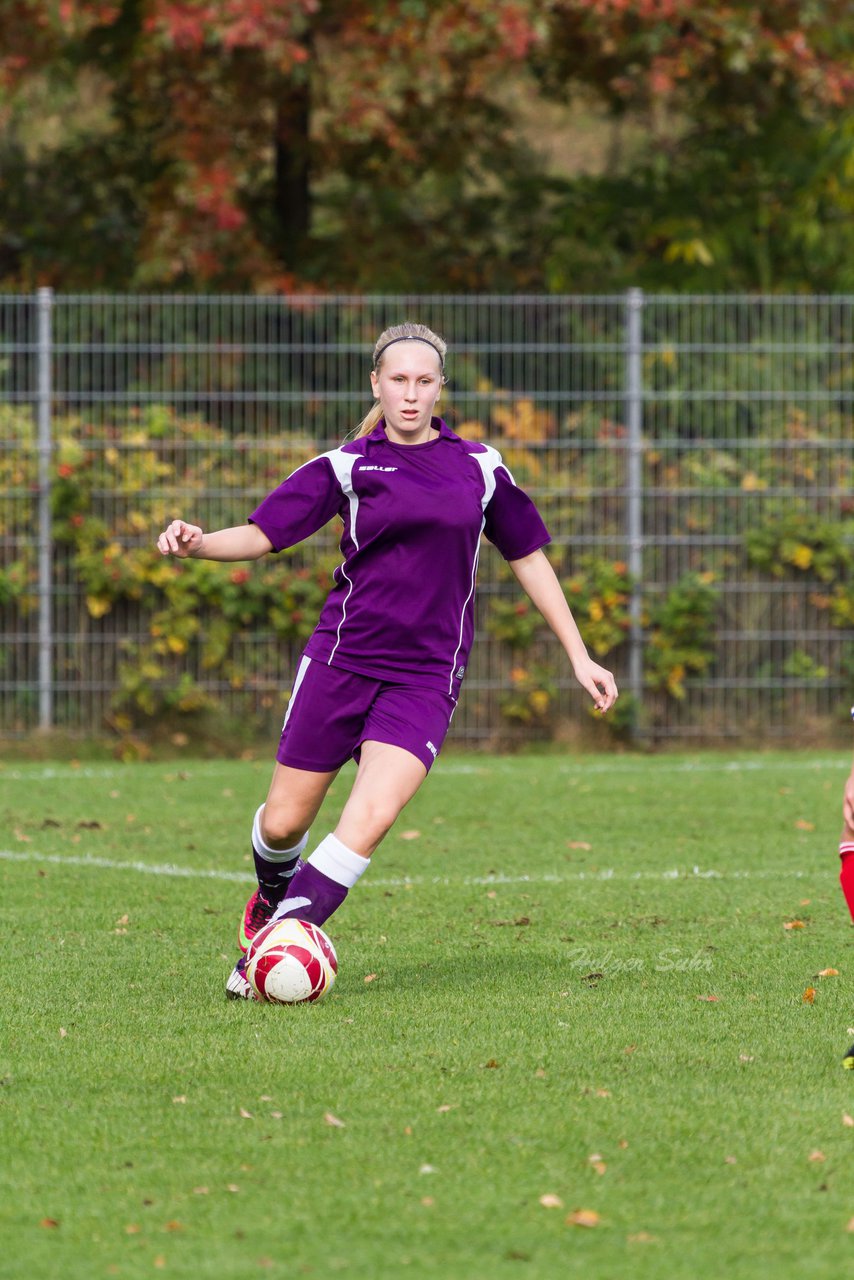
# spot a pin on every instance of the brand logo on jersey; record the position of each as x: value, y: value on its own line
x: 459, y: 673
x: 432, y: 749
x: 378, y: 468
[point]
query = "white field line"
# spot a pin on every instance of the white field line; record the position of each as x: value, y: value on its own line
x: 452, y: 767
x: 93, y: 862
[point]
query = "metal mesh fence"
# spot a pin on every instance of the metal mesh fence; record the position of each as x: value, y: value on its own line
x: 676, y: 446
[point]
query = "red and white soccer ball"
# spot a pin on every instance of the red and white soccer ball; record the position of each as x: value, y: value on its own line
x: 291, y: 961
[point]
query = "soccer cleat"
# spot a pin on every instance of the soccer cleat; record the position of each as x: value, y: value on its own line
x: 237, y: 987
x: 256, y: 914
x: 848, y: 1060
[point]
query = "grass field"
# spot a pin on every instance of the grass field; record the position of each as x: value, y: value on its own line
x: 563, y: 978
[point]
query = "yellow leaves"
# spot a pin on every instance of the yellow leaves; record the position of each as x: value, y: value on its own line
x: 98, y: 606
x: 828, y: 973
x: 809, y: 996
x: 801, y: 556
x: 524, y: 421
x: 583, y: 1218
x: 794, y: 924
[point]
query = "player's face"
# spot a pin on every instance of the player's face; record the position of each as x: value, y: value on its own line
x: 407, y: 385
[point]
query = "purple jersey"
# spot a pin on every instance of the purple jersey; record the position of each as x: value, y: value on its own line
x: 402, y: 604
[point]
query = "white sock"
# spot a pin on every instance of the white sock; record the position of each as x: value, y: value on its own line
x: 260, y: 845
x: 334, y: 860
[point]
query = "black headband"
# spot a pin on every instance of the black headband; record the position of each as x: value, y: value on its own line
x: 410, y: 338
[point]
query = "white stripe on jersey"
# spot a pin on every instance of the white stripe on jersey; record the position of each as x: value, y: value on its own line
x: 342, y: 464
x: 303, y: 667
x: 488, y: 461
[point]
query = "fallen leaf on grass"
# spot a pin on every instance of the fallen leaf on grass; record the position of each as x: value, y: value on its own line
x: 809, y: 996
x: 174, y: 1225
x: 181, y: 1097
x: 597, y: 1164
x: 246, y: 1115
x: 371, y: 977
x: 428, y: 1202
x: 828, y: 973
x: 62, y: 1033
x: 491, y: 1064
x: 583, y: 1218
x: 428, y: 1168
x: 803, y: 825
x: 578, y: 844
x: 333, y: 1121
x: 850, y: 1226
x: 642, y: 1237
x: 410, y: 835
x: 816, y: 1157
x: 551, y: 1202
x: 200, y: 1191
x: 232, y: 1186
x: 447, y: 1106
x: 160, y: 1262
x: 132, y: 1229
x: 48, y: 1222
x: 709, y: 999
x: 730, y: 1160
x: 794, y: 924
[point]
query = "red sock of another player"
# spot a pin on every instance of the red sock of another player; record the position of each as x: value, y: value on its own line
x: 846, y: 874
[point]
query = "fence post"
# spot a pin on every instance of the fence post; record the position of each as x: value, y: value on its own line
x: 44, y: 309
x: 634, y: 489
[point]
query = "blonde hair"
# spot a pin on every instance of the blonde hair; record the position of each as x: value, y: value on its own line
x: 399, y: 333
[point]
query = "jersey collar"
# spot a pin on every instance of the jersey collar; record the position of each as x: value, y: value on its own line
x: 445, y: 432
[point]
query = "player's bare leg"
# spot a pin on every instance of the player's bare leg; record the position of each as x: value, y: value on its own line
x: 279, y: 836
x: 387, y: 779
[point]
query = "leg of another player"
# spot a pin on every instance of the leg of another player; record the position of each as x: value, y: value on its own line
x: 846, y: 843
x: 387, y: 779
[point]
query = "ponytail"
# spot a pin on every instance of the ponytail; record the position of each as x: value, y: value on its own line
x: 370, y: 420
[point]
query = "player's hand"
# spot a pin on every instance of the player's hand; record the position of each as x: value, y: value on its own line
x: 598, y: 682
x: 180, y: 539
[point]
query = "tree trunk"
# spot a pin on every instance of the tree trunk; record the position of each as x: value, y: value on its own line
x: 292, y: 195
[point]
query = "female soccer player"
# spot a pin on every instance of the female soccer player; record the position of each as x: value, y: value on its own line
x: 380, y: 675
x: 846, y: 843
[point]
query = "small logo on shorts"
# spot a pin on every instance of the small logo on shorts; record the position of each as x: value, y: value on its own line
x: 432, y: 749
x: 459, y: 673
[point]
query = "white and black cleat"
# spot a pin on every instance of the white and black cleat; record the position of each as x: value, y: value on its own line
x: 237, y: 987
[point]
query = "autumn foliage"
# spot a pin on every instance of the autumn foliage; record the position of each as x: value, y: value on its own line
x: 263, y: 144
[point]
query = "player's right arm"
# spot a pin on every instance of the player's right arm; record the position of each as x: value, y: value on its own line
x: 244, y: 542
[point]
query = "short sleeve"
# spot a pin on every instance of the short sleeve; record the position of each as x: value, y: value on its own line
x: 513, y: 522
x: 301, y: 505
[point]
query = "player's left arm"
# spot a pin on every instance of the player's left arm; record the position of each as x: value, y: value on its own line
x: 539, y: 581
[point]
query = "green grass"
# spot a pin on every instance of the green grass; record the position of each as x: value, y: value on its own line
x: 485, y: 1066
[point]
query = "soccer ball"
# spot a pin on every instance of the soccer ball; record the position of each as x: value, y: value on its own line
x: 291, y: 961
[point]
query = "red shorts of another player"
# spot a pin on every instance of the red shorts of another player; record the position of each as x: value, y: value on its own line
x: 332, y: 712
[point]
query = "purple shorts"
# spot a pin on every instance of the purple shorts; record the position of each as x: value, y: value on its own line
x: 332, y: 712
